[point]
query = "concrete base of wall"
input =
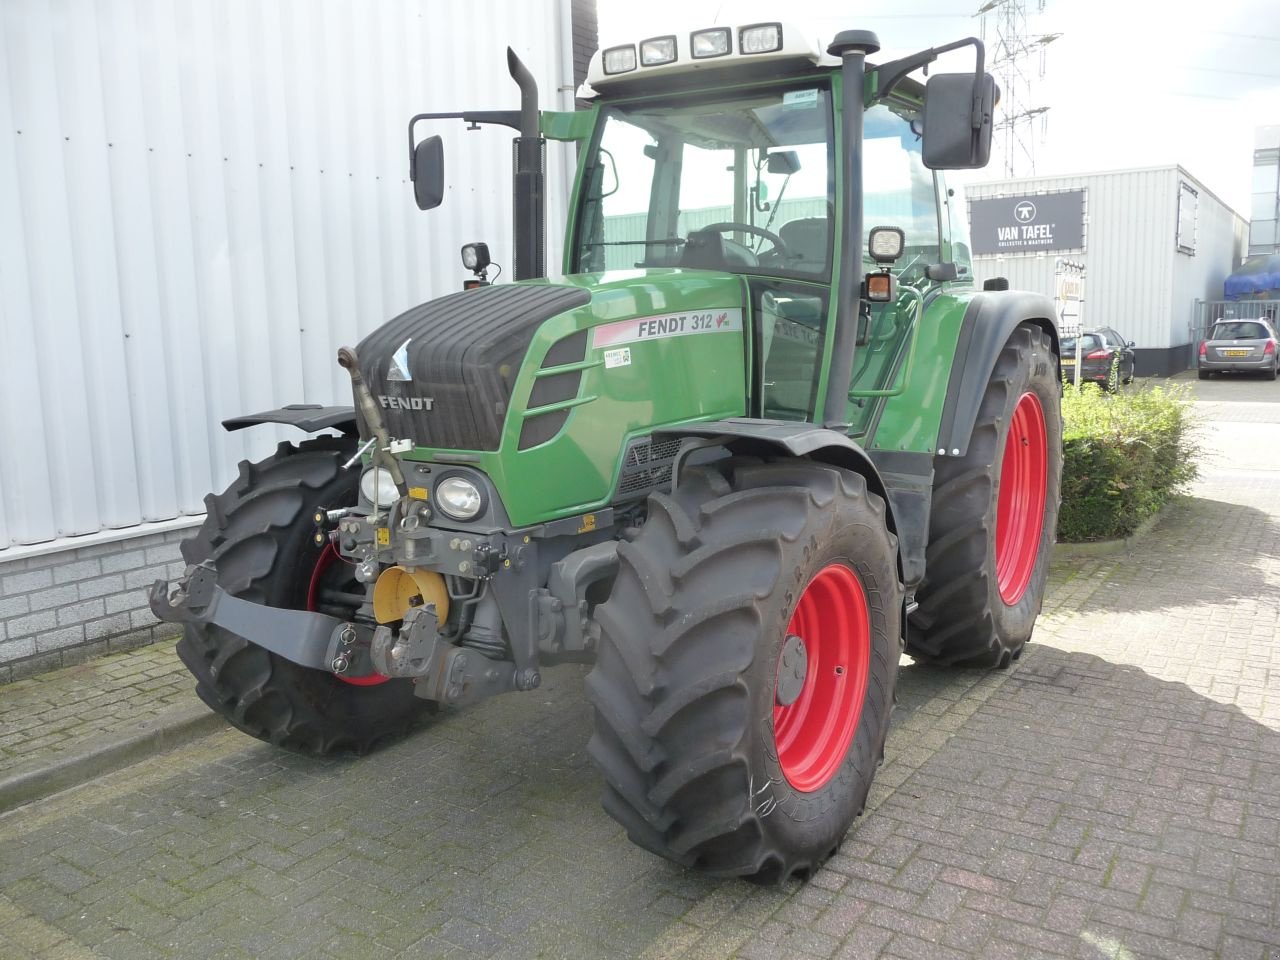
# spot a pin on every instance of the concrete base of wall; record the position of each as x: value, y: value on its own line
x: 1161, y: 363
x: 64, y: 606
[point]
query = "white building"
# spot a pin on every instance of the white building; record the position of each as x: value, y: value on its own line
x: 1153, y: 242
x: 1264, y: 213
x: 200, y: 201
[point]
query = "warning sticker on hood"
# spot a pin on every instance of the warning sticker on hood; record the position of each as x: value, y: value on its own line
x: 667, y: 325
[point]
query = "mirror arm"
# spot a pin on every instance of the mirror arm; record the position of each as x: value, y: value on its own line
x: 893, y: 72
x: 507, y: 118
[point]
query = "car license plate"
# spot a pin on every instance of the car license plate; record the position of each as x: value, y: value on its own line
x: 1235, y: 353
x: 1068, y: 361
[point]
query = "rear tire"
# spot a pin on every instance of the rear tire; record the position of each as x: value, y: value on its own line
x: 1271, y: 374
x: 259, y: 533
x: 700, y: 757
x: 1204, y: 374
x: 981, y: 592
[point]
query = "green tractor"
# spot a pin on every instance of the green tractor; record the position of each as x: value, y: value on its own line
x: 739, y: 455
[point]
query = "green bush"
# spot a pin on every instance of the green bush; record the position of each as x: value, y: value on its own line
x: 1125, y: 455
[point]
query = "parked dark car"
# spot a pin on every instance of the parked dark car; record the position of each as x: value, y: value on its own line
x: 1239, y: 346
x: 1100, y: 350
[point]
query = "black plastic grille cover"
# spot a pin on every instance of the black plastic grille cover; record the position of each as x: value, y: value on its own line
x: 647, y: 467
x: 462, y: 357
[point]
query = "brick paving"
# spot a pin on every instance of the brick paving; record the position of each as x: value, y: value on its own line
x: 1115, y: 795
x: 49, y: 714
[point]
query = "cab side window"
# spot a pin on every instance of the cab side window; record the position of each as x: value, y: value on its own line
x: 899, y: 190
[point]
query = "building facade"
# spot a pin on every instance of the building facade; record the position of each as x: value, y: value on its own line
x: 1264, y: 213
x: 199, y: 203
x: 1152, y: 242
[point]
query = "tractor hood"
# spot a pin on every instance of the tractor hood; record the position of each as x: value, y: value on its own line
x: 447, y: 373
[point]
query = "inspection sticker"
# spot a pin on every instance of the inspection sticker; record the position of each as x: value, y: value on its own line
x: 794, y: 98
x: 640, y: 329
x: 617, y: 358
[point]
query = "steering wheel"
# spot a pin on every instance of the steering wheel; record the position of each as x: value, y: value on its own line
x: 779, y: 245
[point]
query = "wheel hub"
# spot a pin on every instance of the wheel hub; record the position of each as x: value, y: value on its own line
x: 793, y: 666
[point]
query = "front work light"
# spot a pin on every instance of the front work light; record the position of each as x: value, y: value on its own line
x: 475, y: 256
x: 619, y: 59
x: 760, y: 38
x: 658, y: 51
x: 885, y: 244
x: 710, y: 43
x: 459, y: 498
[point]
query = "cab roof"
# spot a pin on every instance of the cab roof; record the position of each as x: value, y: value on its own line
x: 797, y: 52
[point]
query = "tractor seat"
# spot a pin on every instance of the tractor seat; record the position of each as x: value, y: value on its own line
x: 807, y: 241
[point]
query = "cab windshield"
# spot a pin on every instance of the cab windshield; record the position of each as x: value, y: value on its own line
x: 745, y: 185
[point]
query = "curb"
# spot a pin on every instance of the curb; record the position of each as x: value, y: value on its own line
x: 1107, y: 548
x: 108, y: 754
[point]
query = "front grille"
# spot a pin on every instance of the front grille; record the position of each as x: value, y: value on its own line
x: 462, y: 353
x: 646, y: 467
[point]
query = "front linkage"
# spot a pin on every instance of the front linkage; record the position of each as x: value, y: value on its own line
x: 402, y: 628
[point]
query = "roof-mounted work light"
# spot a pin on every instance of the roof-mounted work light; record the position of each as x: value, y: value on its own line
x: 705, y: 44
x: 760, y: 38
x: 619, y: 59
x: 658, y: 51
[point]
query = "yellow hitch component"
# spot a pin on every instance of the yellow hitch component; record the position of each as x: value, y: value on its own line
x: 397, y: 587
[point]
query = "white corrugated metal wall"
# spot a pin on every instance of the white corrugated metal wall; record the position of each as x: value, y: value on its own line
x: 1222, y: 237
x: 1129, y: 240
x: 200, y: 200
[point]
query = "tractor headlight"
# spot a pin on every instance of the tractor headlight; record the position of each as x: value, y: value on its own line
x: 376, y: 486
x: 459, y: 498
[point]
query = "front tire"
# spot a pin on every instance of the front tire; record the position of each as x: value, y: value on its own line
x: 994, y: 516
x: 726, y: 744
x: 259, y: 534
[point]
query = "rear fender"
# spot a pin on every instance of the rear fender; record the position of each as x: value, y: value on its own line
x: 988, y: 323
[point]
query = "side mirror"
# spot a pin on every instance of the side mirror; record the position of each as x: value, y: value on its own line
x: 1132, y: 343
x: 428, y: 173
x: 783, y: 162
x: 951, y: 140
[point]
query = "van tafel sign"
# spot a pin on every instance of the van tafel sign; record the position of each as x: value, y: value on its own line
x: 1040, y: 222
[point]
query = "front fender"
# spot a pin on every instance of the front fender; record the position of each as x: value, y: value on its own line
x: 988, y: 323
x: 790, y: 439
x: 311, y: 417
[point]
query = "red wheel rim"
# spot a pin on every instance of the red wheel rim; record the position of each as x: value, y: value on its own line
x: 328, y: 557
x: 813, y: 733
x: 1020, y: 507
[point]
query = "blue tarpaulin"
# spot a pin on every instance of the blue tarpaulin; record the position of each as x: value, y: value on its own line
x: 1259, y: 275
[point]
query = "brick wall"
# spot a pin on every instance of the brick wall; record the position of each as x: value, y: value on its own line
x: 62, y: 607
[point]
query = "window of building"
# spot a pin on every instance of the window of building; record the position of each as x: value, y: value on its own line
x: 1188, y: 203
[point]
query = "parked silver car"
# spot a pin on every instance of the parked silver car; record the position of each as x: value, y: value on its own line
x: 1239, y: 346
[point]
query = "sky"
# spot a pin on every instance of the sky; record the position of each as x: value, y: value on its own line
x: 1129, y: 83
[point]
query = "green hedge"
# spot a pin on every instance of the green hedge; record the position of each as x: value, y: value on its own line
x: 1126, y: 455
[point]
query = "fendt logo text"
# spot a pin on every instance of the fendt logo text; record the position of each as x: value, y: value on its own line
x: 406, y: 403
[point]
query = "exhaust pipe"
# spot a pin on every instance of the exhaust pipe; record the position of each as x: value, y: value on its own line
x: 529, y: 179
